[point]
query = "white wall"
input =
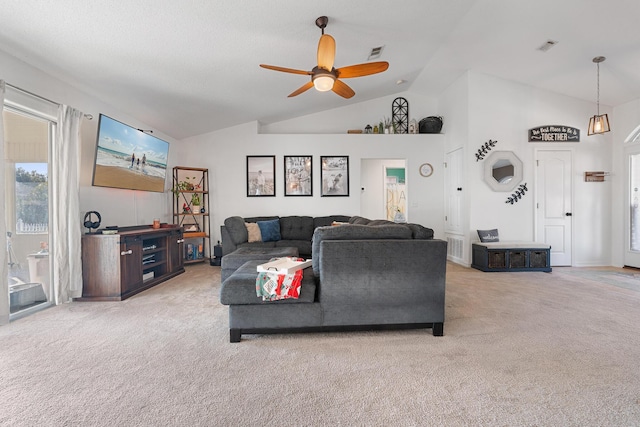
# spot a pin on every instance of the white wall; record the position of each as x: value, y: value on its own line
x: 454, y: 109
x: 117, y: 207
x: 475, y: 108
x: 224, y: 153
x: 504, y: 111
x: 355, y: 116
x: 624, y: 120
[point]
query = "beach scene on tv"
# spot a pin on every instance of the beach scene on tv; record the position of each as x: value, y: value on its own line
x: 129, y: 158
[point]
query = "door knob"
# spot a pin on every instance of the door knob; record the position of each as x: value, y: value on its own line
x: 568, y: 214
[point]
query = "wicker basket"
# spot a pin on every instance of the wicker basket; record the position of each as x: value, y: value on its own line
x: 431, y: 124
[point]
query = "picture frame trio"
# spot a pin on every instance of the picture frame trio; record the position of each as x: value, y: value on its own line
x: 298, y: 176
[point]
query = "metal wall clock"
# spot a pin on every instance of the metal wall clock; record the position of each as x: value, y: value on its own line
x: 400, y: 114
x: 426, y: 169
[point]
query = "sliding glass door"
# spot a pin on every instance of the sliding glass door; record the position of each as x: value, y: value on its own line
x: 632, y: 212
x: 27, y: 140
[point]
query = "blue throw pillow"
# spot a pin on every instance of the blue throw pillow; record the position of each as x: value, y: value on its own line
x: 270, y: 230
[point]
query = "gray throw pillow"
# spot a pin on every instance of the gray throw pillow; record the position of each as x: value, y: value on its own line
x: 488, y: 236
x: 237, y: 230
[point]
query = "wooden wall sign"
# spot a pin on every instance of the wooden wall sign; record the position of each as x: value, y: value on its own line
x: 554, y: 133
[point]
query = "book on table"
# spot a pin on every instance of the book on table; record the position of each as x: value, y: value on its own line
x: 283, y: 266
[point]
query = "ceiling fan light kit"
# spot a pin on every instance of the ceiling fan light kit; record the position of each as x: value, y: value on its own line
x: 323, y: 80
x: 324, y: 77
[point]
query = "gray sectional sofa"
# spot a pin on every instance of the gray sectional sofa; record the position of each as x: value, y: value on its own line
x: 295, y: 231
x: 362, y: 277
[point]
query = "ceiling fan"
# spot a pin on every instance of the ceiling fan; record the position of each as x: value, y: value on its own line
x: 324, y: 76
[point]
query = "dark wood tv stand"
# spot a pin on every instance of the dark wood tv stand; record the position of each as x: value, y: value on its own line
x: 117, y: 266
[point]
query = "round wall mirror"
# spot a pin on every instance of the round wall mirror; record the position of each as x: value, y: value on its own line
x: 502, y: 171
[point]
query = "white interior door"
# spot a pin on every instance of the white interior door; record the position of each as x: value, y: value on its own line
x: 554, y: 202
x: 453, y: 191
x: 373, y: 186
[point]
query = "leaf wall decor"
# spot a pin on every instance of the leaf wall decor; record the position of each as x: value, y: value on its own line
x: 522, y: 188
x: 484, y: 149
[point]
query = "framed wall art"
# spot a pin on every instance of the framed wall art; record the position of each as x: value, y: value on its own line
x: 261, y: 176
x: 298, y: 177
x: 334, y: 175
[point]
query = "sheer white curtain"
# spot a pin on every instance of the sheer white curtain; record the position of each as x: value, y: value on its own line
x: 4, y: 279
x: 67, y: 265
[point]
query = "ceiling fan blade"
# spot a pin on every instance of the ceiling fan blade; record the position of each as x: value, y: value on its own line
x: 362, y: 69
x: 342, y: 89
x: 286, y: 70
x: 326, y: 52
x: 303, y: 88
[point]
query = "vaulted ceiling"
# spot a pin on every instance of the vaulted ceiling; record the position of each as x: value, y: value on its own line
x: 190, y: 67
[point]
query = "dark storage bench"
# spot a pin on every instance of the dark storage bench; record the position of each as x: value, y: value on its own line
x: 511, y: 256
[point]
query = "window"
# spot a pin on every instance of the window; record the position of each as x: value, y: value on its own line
x: 633, y: 136
x: 32, y: 198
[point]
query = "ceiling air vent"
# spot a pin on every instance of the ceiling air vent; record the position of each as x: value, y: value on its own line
x: 548, y: 45
x: 375, y: 53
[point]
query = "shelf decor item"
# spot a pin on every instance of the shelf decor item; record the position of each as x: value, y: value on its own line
x: 431, y: 124
x: 389, y: 126
x: 400, y: 115
x: 185, y: 185
x: 413, y: 126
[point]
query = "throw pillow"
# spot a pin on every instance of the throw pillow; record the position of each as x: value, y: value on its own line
x: 236, y: 228
x: 254, y: 232
x: 270, y: 230
x: 487, y: 236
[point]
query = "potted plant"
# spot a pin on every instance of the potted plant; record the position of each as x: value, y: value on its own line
x: 195, y: 199
x: 184, y: 185
x: 389, y: 126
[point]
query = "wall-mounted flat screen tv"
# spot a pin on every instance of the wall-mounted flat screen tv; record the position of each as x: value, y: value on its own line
x: 129, y: 158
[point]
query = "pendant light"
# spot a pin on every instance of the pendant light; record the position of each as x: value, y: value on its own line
x: 598, y: 123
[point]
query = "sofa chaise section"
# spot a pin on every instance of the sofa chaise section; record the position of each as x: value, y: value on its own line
x: 364, y: 277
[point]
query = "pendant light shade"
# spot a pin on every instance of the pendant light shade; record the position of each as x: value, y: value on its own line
x: 598, y: 123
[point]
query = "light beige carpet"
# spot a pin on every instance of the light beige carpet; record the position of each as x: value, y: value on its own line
x: 531, y: 349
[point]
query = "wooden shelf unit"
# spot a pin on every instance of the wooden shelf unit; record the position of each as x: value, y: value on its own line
x: 117, y: 266
x: 196, y: 247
